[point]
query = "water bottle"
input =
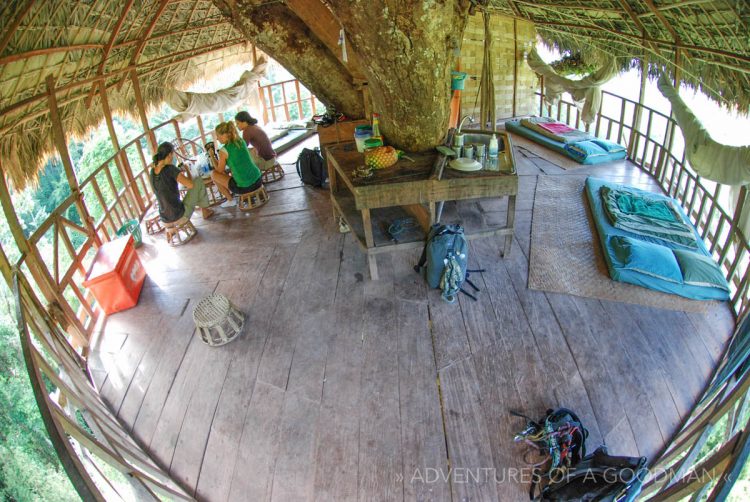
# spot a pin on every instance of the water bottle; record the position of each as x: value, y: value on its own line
x: 492, y: 152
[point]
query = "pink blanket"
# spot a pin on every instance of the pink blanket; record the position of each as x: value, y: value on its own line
x: 555, y: 127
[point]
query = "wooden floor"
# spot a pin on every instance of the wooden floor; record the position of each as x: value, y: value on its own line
x: 347, y: 389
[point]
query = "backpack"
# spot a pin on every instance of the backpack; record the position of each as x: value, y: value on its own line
x: 311, y: 167
x: 559, y: 433
x: 597, y: 478
x: 444, y: 260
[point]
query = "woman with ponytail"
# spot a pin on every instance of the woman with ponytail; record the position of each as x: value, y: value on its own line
x: 164, y: 178
x: 245, y: 176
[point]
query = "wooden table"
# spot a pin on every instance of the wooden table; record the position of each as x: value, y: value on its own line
x: 412, y: 188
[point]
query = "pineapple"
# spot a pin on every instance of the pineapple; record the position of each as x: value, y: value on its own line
x: 381, y: 157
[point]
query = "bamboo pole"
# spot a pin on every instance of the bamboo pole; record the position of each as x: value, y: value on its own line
x: 58, y: 134
x: 142, y: 111
x: 515, y: 63
x: 122, y: 159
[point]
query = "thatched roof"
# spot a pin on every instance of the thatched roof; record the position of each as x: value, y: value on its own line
x: 167, y: 42
x: 712, y: 36
x: 171, y: 42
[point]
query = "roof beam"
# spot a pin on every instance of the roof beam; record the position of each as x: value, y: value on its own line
x: 663, y: 20
x: 113, y: 37
x: 49, y: 50
x: 14, y: 26
x: 149, y: 30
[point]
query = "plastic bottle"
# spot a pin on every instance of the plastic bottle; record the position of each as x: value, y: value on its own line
x: 492, y: 153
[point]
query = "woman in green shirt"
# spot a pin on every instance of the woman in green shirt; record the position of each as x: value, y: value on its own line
x: 245, y: 176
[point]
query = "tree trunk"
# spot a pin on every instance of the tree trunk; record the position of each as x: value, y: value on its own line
x: 407, y: 48
x: 281, y: 33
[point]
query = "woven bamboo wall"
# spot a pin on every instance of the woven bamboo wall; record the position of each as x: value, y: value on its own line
x: 472, y: 52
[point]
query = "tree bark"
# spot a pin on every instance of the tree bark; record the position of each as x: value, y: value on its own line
x: 407, y: 48
x: 284, y: 36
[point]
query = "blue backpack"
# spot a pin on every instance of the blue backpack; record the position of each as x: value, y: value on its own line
x: 444, y: 261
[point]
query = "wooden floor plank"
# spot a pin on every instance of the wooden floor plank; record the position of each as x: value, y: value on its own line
x: 221, y: 447
x: 337, y: 454
x: 258, y: 446
x: 422, y: 440
x: 294, y: 472
x: 466, y: 433
x: 380, y: 456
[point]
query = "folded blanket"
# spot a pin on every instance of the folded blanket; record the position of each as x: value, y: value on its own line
x: 644, y: 215
x: 535, y: 124
x: 555, y: 127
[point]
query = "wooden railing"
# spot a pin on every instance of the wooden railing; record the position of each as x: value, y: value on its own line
x: 274, y: 110
x: 655, y: 144
x: 685, y: 470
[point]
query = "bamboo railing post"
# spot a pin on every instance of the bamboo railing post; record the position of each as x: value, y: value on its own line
x: 124, y: 166
x: 142, y: 111
x: 39, y: 270
x: 58, y: 134
x: 199, y: 121
x: 638, y: 112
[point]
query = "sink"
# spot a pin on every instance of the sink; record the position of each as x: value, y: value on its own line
x: 481, y: 137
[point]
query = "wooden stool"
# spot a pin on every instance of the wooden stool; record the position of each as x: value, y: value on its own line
x: 272, y: 174
x: 217, y: 320
x: 214, y: 196
x: 253, y: 200
x: 180, y: 231
x: 153, y: 222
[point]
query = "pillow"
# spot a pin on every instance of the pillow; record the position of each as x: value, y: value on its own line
x: 585, y: 149
x: 700, y: 270
x: 646, y: 258
x: 608, y: 146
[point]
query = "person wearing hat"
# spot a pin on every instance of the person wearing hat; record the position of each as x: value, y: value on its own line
x: 262, y: 151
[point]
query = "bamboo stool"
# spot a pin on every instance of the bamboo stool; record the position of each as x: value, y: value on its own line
x: 218, y: 321
x: 272, y: 174
x: 179, y: 232
x: 153, y: 222
x: 253, y: 200
x: 214, y: 196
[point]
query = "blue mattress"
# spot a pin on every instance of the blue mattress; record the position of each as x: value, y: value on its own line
x: 516, y: 127
x: 659, y: 265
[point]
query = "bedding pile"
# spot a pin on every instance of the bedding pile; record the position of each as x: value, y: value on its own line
x: 648, y: 240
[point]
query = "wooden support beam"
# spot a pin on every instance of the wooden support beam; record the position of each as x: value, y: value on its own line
x: 515, y: 61
x: 126, y: 173
x: 140, y: 105
x: 663, y: 20
x: 47, y: 51
x: 58, y: 136
x: 11, y: 30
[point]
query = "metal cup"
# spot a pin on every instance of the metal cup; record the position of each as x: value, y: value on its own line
x: 458, y: 140
x: 469, y: 151
x: 479, y: 150
x: 457, y: 149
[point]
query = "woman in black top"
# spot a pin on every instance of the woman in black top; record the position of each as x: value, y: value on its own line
x: 164, y: 179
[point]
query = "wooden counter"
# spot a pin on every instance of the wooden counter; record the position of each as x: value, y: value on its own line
x: 370, y: 205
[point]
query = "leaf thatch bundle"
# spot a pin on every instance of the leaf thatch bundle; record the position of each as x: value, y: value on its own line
x: 167, y: 43
x: 711, y: 36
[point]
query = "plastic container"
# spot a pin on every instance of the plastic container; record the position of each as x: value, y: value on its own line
x: 457, y: 80
x: 361, y: 134
x: 373, y: 143
x: 131, y: 227
x: 116, y: 276
x: 492, y: 152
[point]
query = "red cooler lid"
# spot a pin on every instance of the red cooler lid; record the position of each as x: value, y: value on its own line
x: 108, y: 258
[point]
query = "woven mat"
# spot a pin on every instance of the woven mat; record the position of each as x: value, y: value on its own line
x: 531, y: 149
x: 566, y: 255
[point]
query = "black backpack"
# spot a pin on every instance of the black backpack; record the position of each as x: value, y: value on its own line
x: 311, y: 167
x: 597, y: 478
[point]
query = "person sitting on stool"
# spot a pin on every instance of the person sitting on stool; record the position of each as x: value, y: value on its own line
x: 245, y: 176
x: 164, y: 178
x: 262, y: 152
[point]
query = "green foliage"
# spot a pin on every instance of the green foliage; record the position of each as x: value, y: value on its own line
x: 572, y: 64
x: 29, y: 467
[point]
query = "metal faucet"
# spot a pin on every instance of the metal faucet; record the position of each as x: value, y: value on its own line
x: 471, y: 121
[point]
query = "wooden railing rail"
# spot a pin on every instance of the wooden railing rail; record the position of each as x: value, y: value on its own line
x: 83, y: 431
x: 270, y: 106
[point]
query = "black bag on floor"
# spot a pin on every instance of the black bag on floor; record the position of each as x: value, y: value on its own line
x: 311, y: 167
x: 599, y: 477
